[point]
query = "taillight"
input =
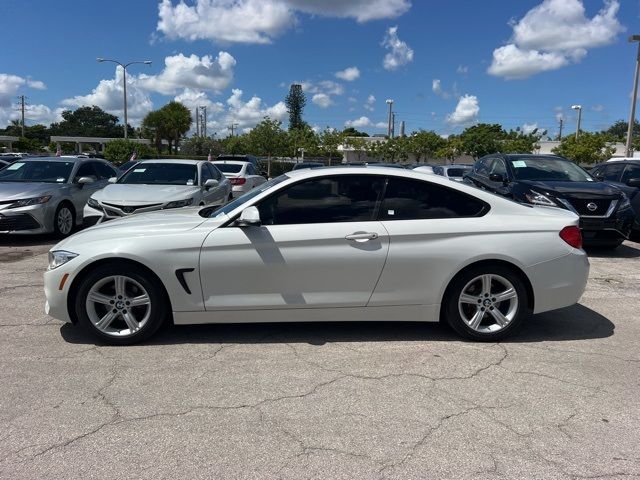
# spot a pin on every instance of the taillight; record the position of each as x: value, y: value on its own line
x: 238, y: 181
x: 572, y: 236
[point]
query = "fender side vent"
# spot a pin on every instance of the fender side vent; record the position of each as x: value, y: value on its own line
x: 180, y: 276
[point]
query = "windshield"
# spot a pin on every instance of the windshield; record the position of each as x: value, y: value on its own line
x: 458, y: 171
x: 37, y: 171
x: 548, y: 169
x: 228, y: 167
x: 208, y: 212
x: 161, y: 174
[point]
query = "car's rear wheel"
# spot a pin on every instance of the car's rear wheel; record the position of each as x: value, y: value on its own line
x: 120, y: 305
x: 486, y: 303
x: 63, y: 220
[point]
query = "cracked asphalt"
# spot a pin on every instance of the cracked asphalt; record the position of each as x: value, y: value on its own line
x: 340, y: 401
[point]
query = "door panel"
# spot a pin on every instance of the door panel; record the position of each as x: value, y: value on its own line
x: 292, y: 266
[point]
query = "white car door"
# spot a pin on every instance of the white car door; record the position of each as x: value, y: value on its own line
x: 319, y: 246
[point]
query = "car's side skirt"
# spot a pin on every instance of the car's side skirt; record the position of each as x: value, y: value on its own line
x: 403, y: 313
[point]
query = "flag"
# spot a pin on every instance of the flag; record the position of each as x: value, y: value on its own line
x: 58, y: 151
x: 209, y: 157
x: 134, y: 156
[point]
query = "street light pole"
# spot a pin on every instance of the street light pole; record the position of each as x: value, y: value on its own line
x: 632, y: 116
x: 579, y: 108
x: 389, y: 131
x: 124, y: 86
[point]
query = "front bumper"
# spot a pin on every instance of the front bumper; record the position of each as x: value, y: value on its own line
x: 56, y: 297
x: 33, y: 219
x: 617, y: 226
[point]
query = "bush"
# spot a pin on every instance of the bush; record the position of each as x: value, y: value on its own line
x: 120, y: 151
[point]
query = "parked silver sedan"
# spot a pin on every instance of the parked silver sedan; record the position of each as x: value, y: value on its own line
x: 48, y: 195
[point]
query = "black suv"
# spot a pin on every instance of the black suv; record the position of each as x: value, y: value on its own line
x: 605, y: 213
x: 624, y: 174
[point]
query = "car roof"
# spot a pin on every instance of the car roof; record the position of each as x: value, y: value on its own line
x: 517, y: 156
x: 184, y: 161
x: 232, y: 162
x: 58, y: 159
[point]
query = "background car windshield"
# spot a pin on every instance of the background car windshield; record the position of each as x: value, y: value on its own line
x: 162, y: 174
x: 548, y: 169
x: 228, y: 167
x: 46, y: 172
x: 458, y: 172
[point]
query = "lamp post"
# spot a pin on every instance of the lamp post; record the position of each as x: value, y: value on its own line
x: 390, y: 103
x: 124, y: 83
x: 579, y: 108
x: 632, y: 116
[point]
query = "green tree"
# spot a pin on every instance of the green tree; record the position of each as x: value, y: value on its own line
x: 120, y: 151
x: 451, y: 149
x: 425, y: 144
x: 589, y: 148
x: 619, y: 130
x: 25, y: 144
x: 154, y: 127
x: 295, y: 102
x: 200, y: 146
x: 352, y: 132
x: 359, y: 146
x: 303, y: 137
x: 482, y: 139
x: 515, y: 141
x: 89, y: 122
x: 177, y: 121
x: 329, y: 140
x: 236, y: 145
x: 266, y: 139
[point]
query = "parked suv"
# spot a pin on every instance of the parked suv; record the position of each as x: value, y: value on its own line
x: 605, y: 212
x: 624, y: 174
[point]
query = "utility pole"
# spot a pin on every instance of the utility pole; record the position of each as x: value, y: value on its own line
x: 632, y: 116
x: 232, y: 127
x: 579, y: 108
x: 560, y: 134
x: 402, y: 128
x: 393, y: 124
x: 22, y: 97
x: 197, y: 122
x: 389, y: 130
x: 203, y: 121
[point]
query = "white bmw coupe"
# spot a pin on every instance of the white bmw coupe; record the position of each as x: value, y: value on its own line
x: 328, y: 244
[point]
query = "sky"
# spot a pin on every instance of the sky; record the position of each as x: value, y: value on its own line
x: 445, y: 64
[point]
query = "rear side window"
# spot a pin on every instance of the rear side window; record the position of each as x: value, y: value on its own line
x: 104, y: 171
x: 612, y: 172
x: 632, y: 171
x: 407, y: 199
x: 482, y: 166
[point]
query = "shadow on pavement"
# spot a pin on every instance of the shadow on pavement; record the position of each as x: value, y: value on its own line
x: 27, y: 240
x: 573, y: 323
x: 626, y: 250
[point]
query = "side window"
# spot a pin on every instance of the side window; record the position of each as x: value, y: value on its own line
x: 250, y: 170
x: 344, y: 198
x: 205, y: 173
x: 104, y: 171
x: 407, y: 199
x: 498, y: 166
x: 215, y: 173
x: 86, y: 170
x: 632, y: 171
x: 612, y: 172
x: 482, y: 166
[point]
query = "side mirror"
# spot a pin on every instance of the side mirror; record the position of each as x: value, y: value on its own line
x: 84, y: 180
x: 250, y: 217
x: 497, y: 177
x: 634, y: 182
x: 113, y: 179
x: 210, y: 183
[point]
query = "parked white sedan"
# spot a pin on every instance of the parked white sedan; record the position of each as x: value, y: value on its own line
x: 323, y: 245
x: 242, y: 175
x: 158, y: 185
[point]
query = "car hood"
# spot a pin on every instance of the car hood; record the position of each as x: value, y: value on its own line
x: 18, y: 190
x: 164, y: 222
x: 143, y: 194
x: 573, y: 189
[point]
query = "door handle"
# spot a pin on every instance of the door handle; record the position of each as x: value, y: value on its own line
x: 362, y: 236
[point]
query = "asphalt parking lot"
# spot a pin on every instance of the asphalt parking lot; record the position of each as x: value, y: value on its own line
x: 559, y: 400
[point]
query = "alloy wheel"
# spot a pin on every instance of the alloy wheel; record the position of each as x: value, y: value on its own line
x: 64, y: 221
x: 488, y: 303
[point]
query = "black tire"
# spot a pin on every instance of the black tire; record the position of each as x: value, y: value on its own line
x: 451, y: 308
x: 158, y: 306
x: 63, y: 209
x: 230, y: 198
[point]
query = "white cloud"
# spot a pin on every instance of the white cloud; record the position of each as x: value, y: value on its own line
x: 249, y: 114
x: 10, y: 86
x: 436, y: 87
x: 597, y: 108
x: 259, y: 21
x: 348, y: 74
x: 528, y: 128
x: 371, y: 100
x: 466, y: 111
x: 194, y: 98
x: 462, y: 69
x: 399, y: 52
x: 206, y: 73
x: 364, y: 122
x: 553, y: 34
x: 322, y: 100
x: 108, y: 95
x: 33, y: 114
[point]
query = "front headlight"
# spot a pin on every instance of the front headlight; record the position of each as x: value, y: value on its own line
x: 26, y: 202
x: 537, y: 198
x: 58, y: 258
x: 179, y: 203
x: 94, y: 203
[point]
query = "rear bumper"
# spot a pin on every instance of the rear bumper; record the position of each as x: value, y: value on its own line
x: 560, y: 282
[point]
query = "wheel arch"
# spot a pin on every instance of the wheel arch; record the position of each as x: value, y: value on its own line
x: 485, y: 262
x: 79, y: 278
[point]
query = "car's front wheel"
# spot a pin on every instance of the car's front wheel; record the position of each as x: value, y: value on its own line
x: 63, y: 220
x: 120, y: 304
x: 486, y: 303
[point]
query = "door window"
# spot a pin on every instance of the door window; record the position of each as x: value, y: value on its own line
x: 498, y: 167
x: 612, y: 172
x: 215, y: 172
x: 407, y: 199
x: 86, y: 170
x: 104, y: 171
x: 482, y: 166
x: 632, y: 171
x: 205, y: 173
x: 344, y: 198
